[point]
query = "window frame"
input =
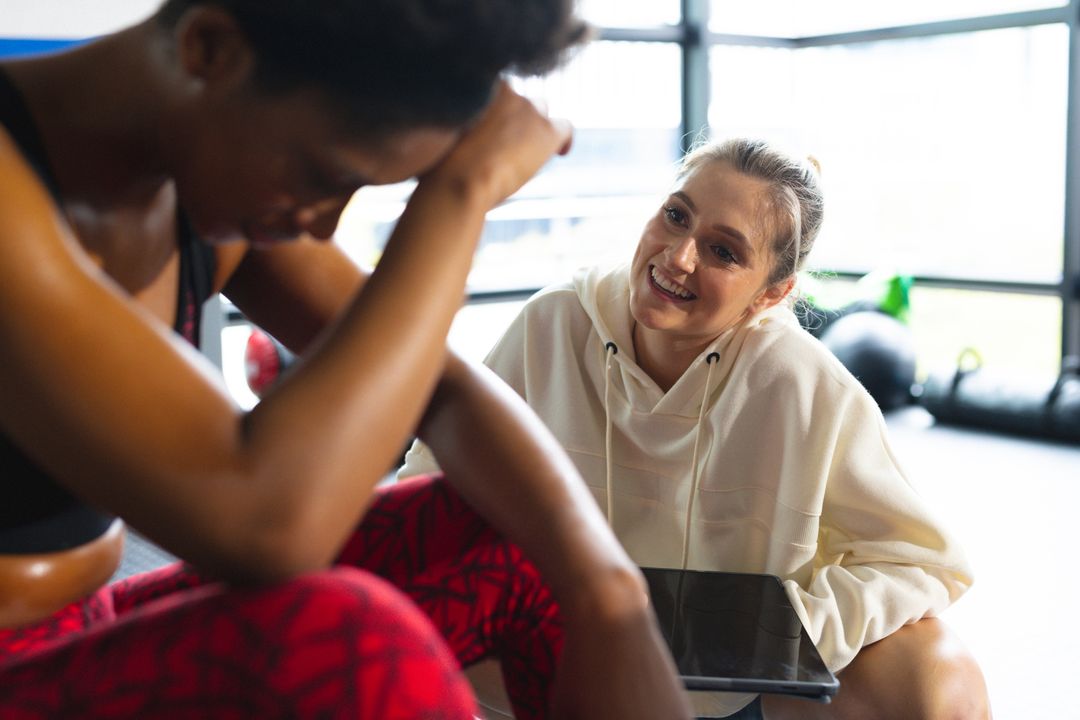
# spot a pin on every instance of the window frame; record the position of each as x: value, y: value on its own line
x: 695, y: 39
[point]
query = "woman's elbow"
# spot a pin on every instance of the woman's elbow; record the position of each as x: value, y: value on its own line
x: 271, y: 557
x: 273, y: 544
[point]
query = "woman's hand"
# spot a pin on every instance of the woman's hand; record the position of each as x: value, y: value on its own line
x: 505, y: 147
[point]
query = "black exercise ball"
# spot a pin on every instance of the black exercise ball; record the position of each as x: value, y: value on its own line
x: 879, y: 350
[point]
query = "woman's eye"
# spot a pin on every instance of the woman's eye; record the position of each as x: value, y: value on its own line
x: 725, y: 255
x: 675, y: 215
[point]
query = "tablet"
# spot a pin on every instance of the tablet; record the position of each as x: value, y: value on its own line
x: 737, y: 632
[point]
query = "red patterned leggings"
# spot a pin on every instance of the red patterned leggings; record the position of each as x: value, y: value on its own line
x: 422, y: 580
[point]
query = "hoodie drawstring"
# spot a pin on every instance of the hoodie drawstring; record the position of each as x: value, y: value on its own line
x: 711, y: 361
x: 610, y: 351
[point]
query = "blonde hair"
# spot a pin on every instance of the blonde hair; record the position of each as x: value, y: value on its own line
x: 796, y: 194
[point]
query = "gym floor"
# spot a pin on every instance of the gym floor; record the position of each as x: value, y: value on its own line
x: 1013, y: 504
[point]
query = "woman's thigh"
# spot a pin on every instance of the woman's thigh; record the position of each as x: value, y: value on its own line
x: 340, y: 643
x: 484, y: 596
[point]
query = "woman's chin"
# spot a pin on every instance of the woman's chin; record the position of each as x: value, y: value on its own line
x: 651, y: 318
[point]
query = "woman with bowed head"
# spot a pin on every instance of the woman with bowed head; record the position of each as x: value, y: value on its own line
x: 211, y: 148
x: 717, y: 434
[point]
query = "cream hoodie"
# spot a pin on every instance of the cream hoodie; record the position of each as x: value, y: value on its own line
x: 771, y: 458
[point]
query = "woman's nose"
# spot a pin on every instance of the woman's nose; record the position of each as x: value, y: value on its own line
x: 683, y: 254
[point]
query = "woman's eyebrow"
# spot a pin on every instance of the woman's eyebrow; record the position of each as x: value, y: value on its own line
x: 731, y: 232
x: 685, y: 198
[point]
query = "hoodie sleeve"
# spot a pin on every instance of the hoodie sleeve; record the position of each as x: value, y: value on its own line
x: 507, y: 358
x: 882, y: 561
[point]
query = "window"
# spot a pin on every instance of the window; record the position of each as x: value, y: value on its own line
x: 801, y: 18
x: 619, y: 13
x: 941, y: 127
x: 1012, y: 333
x: 940, y: 156
x: 583, y: 209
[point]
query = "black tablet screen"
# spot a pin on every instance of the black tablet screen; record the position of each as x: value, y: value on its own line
x: 736, y: 632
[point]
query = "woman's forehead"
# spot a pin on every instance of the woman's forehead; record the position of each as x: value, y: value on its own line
x: 721, y: 194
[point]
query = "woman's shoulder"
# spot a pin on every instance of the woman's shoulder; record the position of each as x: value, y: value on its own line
x: 554, y: 317
x: 781, y: 348
x: 564, y: 314
x: 26, y: 202
x: 560, y: 300
x: 553, y: 296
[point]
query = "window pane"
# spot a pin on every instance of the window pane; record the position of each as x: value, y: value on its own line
x: 478, y: 327
x: 940, y: 156
x: 619, y: 13
x: 1012, y: 333
x: 800, y: 18
x: 582, y: 209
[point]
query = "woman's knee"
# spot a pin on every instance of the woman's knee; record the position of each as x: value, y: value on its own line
x: 346, y: 636
x: 339, y: 643
x: 356, y: 607
x: 923, y: 670
x: 954, y: 680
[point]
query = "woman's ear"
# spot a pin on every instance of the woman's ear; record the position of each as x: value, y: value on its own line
x: 772, y: 295
x: 211, y: 49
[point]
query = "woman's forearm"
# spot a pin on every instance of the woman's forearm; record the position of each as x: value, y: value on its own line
x: 340, y: 417
x: 502, y: 459
x: 508, y: 466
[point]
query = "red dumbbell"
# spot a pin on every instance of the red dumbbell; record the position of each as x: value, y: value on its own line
x: 265, y: 359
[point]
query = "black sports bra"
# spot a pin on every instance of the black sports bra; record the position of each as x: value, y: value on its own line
x: 37, y: 514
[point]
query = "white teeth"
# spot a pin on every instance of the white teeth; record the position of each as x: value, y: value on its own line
x: 668, y: 285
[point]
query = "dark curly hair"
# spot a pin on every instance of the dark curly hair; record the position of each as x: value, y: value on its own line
x: 395, y: 64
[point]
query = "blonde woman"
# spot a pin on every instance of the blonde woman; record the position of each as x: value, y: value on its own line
x: 718, y: 435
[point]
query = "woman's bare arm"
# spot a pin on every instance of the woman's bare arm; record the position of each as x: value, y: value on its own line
x: 109, y: 402
x: 500, y: 457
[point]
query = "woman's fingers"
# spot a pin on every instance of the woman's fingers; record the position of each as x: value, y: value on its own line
x: 505, y: 147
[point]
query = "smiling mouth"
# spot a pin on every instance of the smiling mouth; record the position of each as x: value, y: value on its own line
x: 669, y: 287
